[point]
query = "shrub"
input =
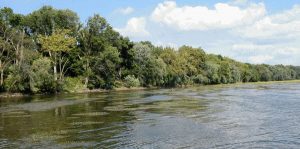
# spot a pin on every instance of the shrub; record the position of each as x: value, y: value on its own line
x: 73, y: 84
x: 18, y: 79
x: 131, y: 81
x: 118, y: 84
x: 42, y: 78
x: 200, y: 79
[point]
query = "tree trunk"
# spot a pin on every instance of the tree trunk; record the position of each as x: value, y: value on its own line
x: 1, y: 75
x: 86, y: 82
x: 21, y: 54
x: 60, y: 67
x: 87, y: 71
x: 54, y: 68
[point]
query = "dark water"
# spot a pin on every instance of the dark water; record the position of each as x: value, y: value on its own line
x: 234, y: 116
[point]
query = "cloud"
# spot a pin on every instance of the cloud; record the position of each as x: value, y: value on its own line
x: 202, y: 18
x: 239, y: 2
x: 135, y: 27
x: 259, y: 59
x: 279, y: 53
x: 282, y: 25
x: 125, y: 11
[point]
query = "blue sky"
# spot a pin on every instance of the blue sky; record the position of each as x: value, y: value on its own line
x: 254, y: 31
x: 106, y: 8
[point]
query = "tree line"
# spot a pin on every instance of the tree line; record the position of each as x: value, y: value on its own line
x: 50, y: 50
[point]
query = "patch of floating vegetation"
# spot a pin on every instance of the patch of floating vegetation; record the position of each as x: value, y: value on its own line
x: 99, y: 101
x: 43, y: 136
x: 16, y: 114
x: 73, y: 117
x: 76, y: 144
x: 120, y: 108
x: 117, y: 108
x: 63, y: 132
x: 179, y: 106
x: 262, y: 87
x: 91, y: 114
x: 182, y: 105
x: 85, y: 123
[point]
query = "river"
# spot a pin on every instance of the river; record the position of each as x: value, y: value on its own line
x: 222, y: 116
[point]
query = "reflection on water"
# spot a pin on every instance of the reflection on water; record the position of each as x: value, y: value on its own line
x: 232, y: 116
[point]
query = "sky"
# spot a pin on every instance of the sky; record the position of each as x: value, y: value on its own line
x: 253, y: 31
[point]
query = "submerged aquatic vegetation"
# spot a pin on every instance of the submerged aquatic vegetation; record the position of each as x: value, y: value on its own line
x: 91, y: 114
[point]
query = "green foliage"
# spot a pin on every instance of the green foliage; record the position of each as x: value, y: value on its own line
x: 47, y: 19
x: 59, y: 41
x: 200, y: 79
x: 106, y: 65
x: 18, y: 79
x: 131, y: 81
x: 72, y: 85
x: 42, y: 78
x: 148, y: 68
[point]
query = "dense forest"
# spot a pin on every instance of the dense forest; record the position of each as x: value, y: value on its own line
x: 50, y: 50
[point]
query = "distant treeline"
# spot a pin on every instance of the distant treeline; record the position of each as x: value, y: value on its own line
x: 50, y: 50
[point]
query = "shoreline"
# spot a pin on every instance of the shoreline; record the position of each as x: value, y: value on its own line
x: 19, y: 95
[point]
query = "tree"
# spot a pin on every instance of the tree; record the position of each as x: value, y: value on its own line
x: 195, y: 59
x: 175, y: 67
x: 264, y: 72
x: 106, y: 65
x: 91, y: 42
x: 47, y: 19
x: 13, y: 40
x: 58, y: 45
x: 149, y: 69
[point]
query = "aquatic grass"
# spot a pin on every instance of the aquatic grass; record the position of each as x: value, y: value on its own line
x: 43, y: 136
x: 91, y: 114
x: 86, y: 123
x: 16, y: 114
x: 72, y: 117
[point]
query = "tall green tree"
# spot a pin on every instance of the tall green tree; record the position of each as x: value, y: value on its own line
x: 58, y: 45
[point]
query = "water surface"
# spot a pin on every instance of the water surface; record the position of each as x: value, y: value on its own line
x: 231, y: 116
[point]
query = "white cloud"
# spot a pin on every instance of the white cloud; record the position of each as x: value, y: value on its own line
x: 125, y: 11
x: 267, y: 49
x: 136, y: 27
x: 282, y: 25
x: 202, y: 18
x: 279, y: 53
x: 259, y: 59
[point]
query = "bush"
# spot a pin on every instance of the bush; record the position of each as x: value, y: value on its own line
x: 73, y: 84
x: 200, y: 79
x: 118, y: 84
x: 131, y: 81
x: 42, y: 78
x: 13, y: 83
x: 18, y: 79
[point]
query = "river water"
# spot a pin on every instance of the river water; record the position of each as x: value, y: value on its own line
x: 229, y: 116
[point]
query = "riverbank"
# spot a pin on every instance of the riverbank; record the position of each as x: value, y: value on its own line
x: 14, y: 95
